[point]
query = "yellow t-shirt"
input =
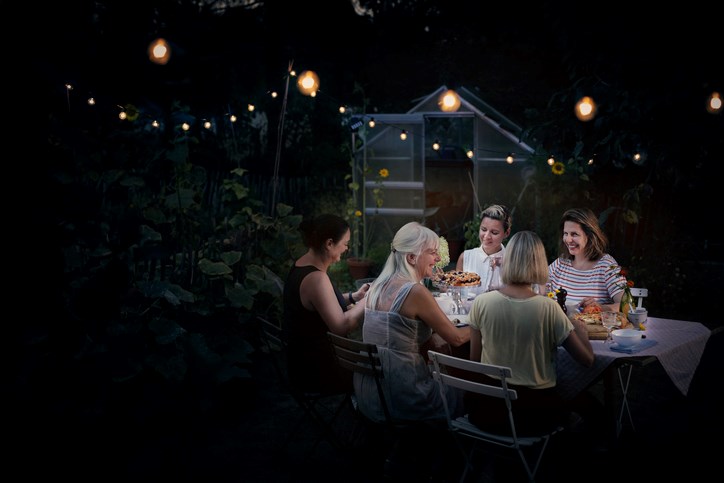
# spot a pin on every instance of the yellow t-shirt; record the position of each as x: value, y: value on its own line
x: 523, y: 334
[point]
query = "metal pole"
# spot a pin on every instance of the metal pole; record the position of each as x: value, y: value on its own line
x: 280, y: 134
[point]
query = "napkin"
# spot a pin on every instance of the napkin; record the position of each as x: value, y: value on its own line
x: 644, y: 344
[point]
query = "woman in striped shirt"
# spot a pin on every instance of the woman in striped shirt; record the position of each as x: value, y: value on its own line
x: 583, y: 267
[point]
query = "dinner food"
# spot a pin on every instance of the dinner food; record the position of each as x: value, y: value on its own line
x: 458, y: 278
x: 594, y: 325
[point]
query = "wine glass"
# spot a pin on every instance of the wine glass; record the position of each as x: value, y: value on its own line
x: 610, y: 320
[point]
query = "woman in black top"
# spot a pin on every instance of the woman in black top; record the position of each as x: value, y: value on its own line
x: 313, y: 306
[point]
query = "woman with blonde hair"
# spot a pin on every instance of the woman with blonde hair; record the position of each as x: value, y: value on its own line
x: 403, y: 319
x: 517, y: 328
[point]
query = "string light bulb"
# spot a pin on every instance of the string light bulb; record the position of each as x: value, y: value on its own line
x: 403, y: 135
x: 436, y: 145
x: 509, y: 159
x: 342, y: 109
x: 207, y: 124
x: 250, y: 107
x: 585, y: 108
x: 371, y: 123
x: 308, y: 83
x: 185, y: 126
x: 551, y: 161
x: 470, y: 154
x: 91, y: 101
x: 232, y: 118
x: 713, y: 104
x: 449, y: 101
x: 159, y: 52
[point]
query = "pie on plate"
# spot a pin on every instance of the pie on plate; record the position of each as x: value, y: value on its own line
x: 458, y: 278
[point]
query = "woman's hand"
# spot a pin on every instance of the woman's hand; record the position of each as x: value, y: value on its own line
x: 361, y: 293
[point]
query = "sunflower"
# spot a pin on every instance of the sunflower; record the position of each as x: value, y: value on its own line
x: 558, y: 168
x: 384, y: 173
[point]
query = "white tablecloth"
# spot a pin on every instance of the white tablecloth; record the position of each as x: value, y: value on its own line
x: 679, y: 347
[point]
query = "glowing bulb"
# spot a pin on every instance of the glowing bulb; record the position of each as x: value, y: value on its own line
x: 155, y: 123
x: 436, y: 145
x: 449, y: 101
x: 403, y: 135
x: 585, y: 109
x: 250, y: 107
x: 207, y: 124
x: 551, y: 161
x: 122, y: 115
x: 713, y: 105
x: 91, y: 101
x: 342, y: 109
x: 509, y: 159
x: 274, y: 94
x: 590, y: 161
x: 372, y: 122
x: 159, y: 52
x: 308, y: 83
x: 185, y: 126
x: 470, y: 153
x: 232, y: 118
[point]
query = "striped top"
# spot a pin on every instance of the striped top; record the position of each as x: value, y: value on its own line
x: 601, y: 282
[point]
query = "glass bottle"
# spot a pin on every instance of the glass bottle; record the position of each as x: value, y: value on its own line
x: 627, y: 302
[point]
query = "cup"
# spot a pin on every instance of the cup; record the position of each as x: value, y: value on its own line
x: 638, y: 317
x: 610, y: 319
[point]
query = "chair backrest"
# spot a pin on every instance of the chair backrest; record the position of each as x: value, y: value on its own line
x: 270, y: 335
x: 453, y: 372
x: 640, y: 293
x: 362, y: 358
x: 442, y: 363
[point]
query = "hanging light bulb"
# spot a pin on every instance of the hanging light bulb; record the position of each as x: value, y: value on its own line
x: 372, y: 122
x: 436, y: 145
x: 551, y: 161
x: 449, y: 101
x: 403, y: 135
x: 308, y: 83
x: 159, y: 52
x: 713, y: 104
x: 585, y: 108
x: 470, y: 154
x: 509, y: 159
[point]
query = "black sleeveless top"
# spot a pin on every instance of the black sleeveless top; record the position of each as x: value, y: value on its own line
x: 310, y: 358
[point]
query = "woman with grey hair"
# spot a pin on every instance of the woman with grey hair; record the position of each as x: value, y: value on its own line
x: 403, y: 319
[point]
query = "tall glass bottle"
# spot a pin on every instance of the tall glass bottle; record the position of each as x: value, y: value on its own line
x: 627, y: 302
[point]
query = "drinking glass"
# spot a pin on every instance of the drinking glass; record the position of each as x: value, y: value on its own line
x: 610, y: 320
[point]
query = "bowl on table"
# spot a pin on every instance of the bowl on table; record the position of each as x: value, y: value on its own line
x: 638, y: 317
x: 626, y: 337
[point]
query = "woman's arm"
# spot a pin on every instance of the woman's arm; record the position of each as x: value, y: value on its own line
x: 461, y: 262
x: 577, y: 344
x: 421, y: 305
x: 317, y: 293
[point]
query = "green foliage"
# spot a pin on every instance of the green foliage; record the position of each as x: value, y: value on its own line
x: 167, y: 255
